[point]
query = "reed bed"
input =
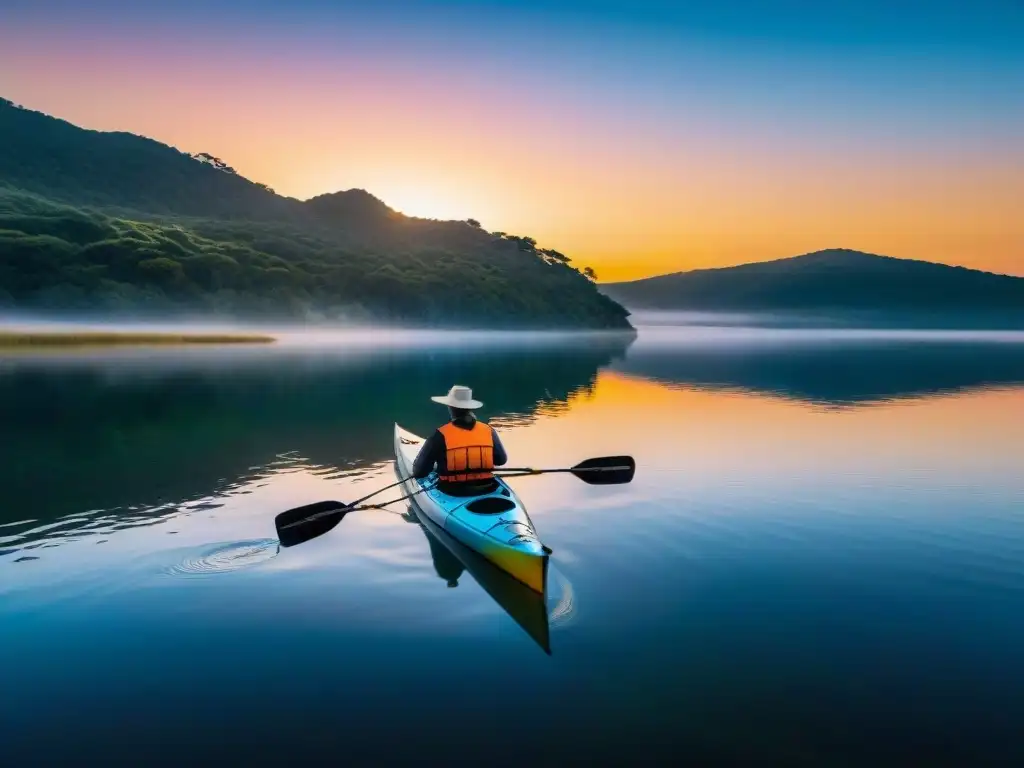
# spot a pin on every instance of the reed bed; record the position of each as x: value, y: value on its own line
x: 10, y: 339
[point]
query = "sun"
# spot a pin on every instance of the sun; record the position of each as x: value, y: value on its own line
x: 426, y: 202
x: 434, y: 192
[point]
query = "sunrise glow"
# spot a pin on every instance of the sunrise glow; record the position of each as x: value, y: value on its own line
x: 668, y: 143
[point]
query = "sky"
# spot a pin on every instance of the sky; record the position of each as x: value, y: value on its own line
x: 638, y: 137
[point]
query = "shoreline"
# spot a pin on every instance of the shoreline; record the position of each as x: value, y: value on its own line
x: 12, y: 339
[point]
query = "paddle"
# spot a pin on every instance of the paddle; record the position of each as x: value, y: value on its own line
x: 304, y: 523
x: 606, y: 470
x: 301, y: 524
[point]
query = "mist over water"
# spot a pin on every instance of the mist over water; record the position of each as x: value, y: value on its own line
x: 325, y: 336
x: 818, y: 562
x: 783, y: 328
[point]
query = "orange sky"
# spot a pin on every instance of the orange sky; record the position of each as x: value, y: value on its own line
x: 627, y: 176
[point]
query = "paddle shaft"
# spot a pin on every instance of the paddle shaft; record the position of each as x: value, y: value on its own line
x: 521, y: 472
x: 529, y: 471
x: 379, y: 490
x: 346, y: 508
x: 327, y: 510
x: 393, y: 501
x: 353, y: 507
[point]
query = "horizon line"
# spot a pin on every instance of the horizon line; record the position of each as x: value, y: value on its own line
x: 269, y: 190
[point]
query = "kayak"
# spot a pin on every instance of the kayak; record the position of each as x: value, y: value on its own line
x: 495, y: 525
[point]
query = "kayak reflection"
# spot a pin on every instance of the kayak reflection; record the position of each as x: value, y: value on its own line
x: 452, y: 558
x: 446, y: 565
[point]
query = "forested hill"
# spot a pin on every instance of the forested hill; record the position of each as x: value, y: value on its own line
x: 831, y: 280
x: 118, y: 224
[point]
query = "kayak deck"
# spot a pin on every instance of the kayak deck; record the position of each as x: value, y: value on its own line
x: 494, y: 524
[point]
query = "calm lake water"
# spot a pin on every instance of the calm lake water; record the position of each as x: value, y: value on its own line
x: 819, y: 562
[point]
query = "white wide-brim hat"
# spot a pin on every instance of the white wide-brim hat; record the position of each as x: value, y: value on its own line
x: 459, y: 397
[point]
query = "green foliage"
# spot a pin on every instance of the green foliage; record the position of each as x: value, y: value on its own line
x: 68, y: 260
x: 216, y: 162
x: 120, y: 223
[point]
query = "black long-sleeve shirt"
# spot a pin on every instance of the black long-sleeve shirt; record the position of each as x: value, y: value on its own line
x: 435, y: 451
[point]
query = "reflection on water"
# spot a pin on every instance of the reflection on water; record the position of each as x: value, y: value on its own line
x: 788, y: 580
x: 170, y: 427
x: 451, y: 559
x: 830, y: 368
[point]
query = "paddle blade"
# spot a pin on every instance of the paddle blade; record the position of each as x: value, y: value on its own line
x: 606, y: 470
x: 294, y: 527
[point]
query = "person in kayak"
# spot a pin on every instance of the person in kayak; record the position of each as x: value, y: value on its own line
x: 464, y: 451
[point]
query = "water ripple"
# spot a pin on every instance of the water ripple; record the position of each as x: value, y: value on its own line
x: 226, y: 557
x: 563, y: 612
x: 31, y: 533
x: 18, y: 522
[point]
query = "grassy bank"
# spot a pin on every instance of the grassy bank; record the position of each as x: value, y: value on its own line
x: 21, y: 339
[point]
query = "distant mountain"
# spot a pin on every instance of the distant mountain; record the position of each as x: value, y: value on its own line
x: 835, y: 280
x: 114, y: 224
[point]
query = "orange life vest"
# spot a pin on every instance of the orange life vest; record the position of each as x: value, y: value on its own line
x: 470, y: 453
